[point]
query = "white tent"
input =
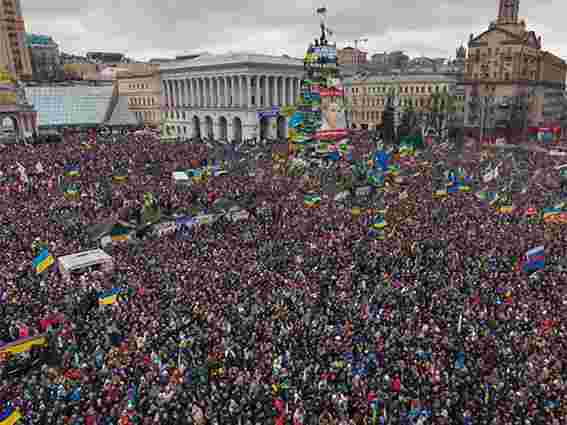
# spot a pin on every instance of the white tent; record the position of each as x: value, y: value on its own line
x: 82, y: 260
x: 180, y: 177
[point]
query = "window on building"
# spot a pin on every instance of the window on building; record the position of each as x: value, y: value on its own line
x: 429, y: 89
x: 506, y: 75
x: 489, y: 51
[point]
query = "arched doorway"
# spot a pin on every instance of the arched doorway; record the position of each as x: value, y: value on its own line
x: 264, y: 128
x: 9, y: 127
x: 237, y: 129
x: 223, y: 129
x: 281, y: 126
x: 209, y: 127
x: 196, y: 127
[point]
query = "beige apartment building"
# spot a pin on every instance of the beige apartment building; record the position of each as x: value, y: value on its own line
x: 505, y: 65
x: 143, y: 93
x: 14, y: 54
x: 367, y: 96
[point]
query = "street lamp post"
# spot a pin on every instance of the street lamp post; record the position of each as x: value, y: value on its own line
x: 487, y: 103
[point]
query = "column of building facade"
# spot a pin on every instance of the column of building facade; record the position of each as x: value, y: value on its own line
x: 186, y: 101
x: 285, y: 92
x: 217, y: 91
x: 209, y: 86
x: 171, y: 97
x: 224, y: 92
x: 245, y: 102
x: 182, y: 98
x: 257, y: 96
x: 188, y: 91
x: 170, y: 90
x: 218, y: 86
x: 163, y: 94
x: 195, y: 92
x: 199, y: 82
x: 212, y: 96
x: 177, y: 94
x: 234, y: 91
x: 266, y: 91
x: 169, y: 94
x: 243, y: 91
x: 205, y: 92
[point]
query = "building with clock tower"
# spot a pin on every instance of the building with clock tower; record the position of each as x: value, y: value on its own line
x: 512, y: 85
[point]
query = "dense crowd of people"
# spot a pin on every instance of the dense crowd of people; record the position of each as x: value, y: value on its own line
x: 294, y: 315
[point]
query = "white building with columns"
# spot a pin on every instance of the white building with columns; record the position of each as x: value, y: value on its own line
x: 220, y: 96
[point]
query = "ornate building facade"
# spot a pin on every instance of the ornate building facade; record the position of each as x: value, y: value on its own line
x: 222, y: 97
x: 367, y: 96
x: 14, y: 54
x: 509, y: 78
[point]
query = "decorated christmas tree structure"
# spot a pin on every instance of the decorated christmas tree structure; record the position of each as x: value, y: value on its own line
x: 320, y: 117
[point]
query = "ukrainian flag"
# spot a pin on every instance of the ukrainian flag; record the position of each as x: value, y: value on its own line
x: 23, y: 345
x: 120, y: 178
x: 9, y: 416
x: 110, y: 297
x: 379, y: 223
x: 43, y: 261
x: 550, y: 212
x: 312, y: 201
x: 72, y: 170
x: 506, y: 209
x: 72, y: 192
x: 120, y: 233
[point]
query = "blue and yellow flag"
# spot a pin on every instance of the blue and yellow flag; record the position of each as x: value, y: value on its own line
x: 23, y: 345
x: 109, y: 297
x: 43, y: 261
x: 72, y: 170
x: 10, y: 415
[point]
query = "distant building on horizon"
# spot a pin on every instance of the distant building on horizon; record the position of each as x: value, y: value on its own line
x: 106, y: 57
x: 45, y: 58
x: 351, y: 56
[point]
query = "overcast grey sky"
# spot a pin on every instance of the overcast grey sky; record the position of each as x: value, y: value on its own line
x: 143, y: 29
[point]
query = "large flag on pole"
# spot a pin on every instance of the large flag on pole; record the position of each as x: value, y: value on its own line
x: 534, y: 259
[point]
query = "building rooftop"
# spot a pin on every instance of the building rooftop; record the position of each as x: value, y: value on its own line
x: 77, y: 105
x: 39, y: 40
x: 418, y: 77
x: 207, y: 59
